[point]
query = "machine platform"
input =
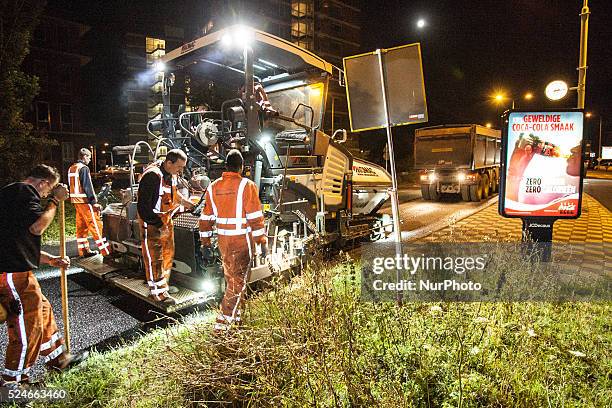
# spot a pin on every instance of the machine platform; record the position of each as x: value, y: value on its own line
x: 137, y: 286
x: 95, y: 265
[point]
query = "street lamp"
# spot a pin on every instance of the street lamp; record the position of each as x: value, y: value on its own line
x: 93, y: 157
x: 500, y: 97
x: 421, y: 23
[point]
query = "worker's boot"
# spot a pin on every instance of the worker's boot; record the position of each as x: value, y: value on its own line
x: 170, y: 301
x: 89, y: 254
x: 67, y: 361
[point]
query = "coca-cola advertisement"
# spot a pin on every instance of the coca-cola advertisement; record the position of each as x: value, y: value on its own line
x: 543, y: 164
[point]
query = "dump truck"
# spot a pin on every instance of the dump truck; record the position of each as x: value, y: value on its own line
x: 314, y: 193
x: 458, y: 159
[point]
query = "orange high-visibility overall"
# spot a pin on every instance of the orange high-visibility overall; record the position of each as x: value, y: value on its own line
x: 232, y: 202
x: 32, y: 332
x: 87, y: 219
x: 158, y: 242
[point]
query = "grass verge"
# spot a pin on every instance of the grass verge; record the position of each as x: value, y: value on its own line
x: 52, y: 234
x: 313, y: 342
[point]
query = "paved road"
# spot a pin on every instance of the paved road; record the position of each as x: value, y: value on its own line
x: 100, y: 316
x: 600, y: 189
x: 419, y: 217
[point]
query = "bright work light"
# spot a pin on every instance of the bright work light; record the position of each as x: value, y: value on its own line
x: 159, y: 66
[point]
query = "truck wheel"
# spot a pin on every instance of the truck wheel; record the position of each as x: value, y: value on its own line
x: 485, y: 186
x: 465, y: 193
x: 425, y: 192
x: 433, y: 192
x: 476, y: 190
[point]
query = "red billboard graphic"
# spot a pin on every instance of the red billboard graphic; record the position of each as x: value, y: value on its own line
x: 543, y: 165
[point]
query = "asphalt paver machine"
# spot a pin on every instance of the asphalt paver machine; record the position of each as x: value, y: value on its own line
x: 266, y: 97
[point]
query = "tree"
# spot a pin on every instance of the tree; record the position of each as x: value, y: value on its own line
x: 20, y: 144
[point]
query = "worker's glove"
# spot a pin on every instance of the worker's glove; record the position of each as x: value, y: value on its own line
x: 60, y: 262
x: 15, y: 307
x: 97, y: 208
x: 60, y: 192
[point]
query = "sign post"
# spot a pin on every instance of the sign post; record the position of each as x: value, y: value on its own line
x: 385, y: 88
x: 394, y: 199
x: 542, y: 172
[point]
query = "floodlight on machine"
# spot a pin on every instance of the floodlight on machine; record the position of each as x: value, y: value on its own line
x: 208, y: 286
x: 264, y: 139
x: 240, y: 36
x: 159, y: 66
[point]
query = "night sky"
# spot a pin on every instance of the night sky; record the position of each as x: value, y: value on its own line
x: 471, y: 49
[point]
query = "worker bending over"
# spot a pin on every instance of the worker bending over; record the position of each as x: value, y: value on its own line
x: 232, y: 202
x: 83, y: 197
x: 158, y: 201
x: 32, y: 330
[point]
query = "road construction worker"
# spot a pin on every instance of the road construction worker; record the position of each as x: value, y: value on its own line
x: 83, y: 197
x: 158, y: 200
x: 232, y: 202
x: 32, y: 330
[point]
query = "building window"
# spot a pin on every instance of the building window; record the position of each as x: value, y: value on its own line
x: 301, y: 8
x: 301, y: 28
x: 66, y: 117
x: 67, y: 152
x: 42, y: 116
x: 155, y: 49
x: 64, y: 75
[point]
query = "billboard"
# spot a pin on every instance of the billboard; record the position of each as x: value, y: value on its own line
x: 606, y: 152
x: 542, y: 164
x: 405, y: 88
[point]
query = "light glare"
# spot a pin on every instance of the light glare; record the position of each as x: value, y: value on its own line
x: 226, y: 40
x: 159, y: 66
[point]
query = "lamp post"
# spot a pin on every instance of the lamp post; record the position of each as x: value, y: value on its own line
x: 582, y: 63
x: 93, y: 157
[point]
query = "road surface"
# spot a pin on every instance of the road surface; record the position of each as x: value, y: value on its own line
x: 600, y: 189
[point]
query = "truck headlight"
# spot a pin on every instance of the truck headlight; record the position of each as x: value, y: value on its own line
x: 432, y: 177
x: 461, y: 176
x: 424, y: 177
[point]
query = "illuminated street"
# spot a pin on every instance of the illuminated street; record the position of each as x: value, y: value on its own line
x: 305, y: 203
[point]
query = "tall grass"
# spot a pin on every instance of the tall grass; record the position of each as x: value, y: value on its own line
x: 314, y: 342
